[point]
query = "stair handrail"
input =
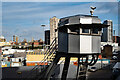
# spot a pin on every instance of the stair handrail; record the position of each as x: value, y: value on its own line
x: 37, y: 66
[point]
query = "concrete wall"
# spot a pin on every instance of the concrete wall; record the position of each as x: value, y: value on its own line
x: 15, y: 73
x: 72, y: 70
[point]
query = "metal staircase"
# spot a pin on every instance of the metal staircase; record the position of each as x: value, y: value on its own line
x: 50, y: 54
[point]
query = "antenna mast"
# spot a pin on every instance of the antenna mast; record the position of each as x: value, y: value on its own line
x: 92, y: 10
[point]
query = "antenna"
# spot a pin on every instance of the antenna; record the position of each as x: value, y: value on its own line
x: 92, y: 10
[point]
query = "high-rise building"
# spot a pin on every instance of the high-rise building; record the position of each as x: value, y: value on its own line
x: 47, y: 37
x: 53, y: 28
x: 17, y: 39
x: 13, y: 38
x: 107, y: 35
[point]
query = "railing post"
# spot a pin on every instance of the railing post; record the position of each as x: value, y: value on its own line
x: 78, y: 68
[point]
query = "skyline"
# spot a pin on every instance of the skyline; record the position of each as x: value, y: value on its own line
x: 24, y: 18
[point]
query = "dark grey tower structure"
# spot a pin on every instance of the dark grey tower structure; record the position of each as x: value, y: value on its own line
x: 79, y: 36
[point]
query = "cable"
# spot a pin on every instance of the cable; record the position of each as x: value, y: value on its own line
x: 92, y: 62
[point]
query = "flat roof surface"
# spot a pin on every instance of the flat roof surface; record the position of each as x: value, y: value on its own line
x: 79, y: 20
x: 81, y: 15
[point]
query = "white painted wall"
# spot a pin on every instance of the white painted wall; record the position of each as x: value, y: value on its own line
x: 85, y: 44
x: 16, y: 64
x: 90, y: 44
x: 12, y: 51
x: 86, y: 20
x: 20, y: 50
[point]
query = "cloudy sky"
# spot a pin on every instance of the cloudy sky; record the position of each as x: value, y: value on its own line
x: 24, y: 18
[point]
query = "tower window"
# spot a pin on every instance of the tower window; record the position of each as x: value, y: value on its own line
x: 95, y: 31
x: 85, y: 30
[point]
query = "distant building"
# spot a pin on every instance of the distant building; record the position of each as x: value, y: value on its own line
x: 16, y: 39
x: 5, y: 44
x: 116, y: 39
x: 24, y: 40
x: 13, y: 38
x: 10, y: 41
x: 36, y: 43
x: 47, y: 37
x: 53, y: 28
x: 40, y: 40
x: 107, y: 35
x: 35, y: 58
x: 24, y: 43
x: 2, y: 39
x: 32, y: 39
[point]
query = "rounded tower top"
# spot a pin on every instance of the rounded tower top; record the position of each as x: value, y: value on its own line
x: 79, y: 20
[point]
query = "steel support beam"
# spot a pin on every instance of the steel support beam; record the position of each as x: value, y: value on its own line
x: 65, y: 69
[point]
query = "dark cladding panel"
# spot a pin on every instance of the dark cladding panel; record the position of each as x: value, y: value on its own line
x: 73, y: 43
x: 62, y: 42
